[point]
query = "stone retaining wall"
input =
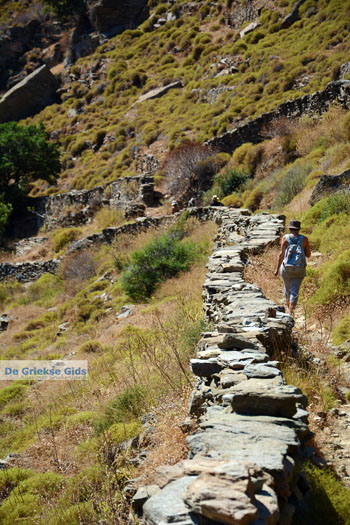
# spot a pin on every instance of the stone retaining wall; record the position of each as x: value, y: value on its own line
x: 244, y: 458
x: 257, y: 130
x: 75, y: 207
x: 30, y: 271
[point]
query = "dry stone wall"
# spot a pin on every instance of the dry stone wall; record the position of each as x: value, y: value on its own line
x: 30, y: 271
x: 257, y: 130
x: 244, y: 458
x: 78, y: 207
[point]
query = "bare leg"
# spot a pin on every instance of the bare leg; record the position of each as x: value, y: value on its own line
x: 292, y: 308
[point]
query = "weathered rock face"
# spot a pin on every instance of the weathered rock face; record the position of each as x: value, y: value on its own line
x: 329, y: 185
x: 245, y: 455
x: 29, y: 96
x: 14, y: 43
x: 112, y: 16
x: 255, y: 130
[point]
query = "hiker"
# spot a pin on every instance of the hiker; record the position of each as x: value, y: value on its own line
x: 215, y: 201
x: 174, y: 207
x: 292, y: 263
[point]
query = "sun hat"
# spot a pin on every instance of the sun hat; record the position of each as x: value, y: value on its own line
x: 215, y: 197
x: 294, y: 225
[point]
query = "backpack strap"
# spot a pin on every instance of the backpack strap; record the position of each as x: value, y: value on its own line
x: 298, y: 241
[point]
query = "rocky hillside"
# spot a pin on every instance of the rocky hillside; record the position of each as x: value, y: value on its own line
x: 191, y: 71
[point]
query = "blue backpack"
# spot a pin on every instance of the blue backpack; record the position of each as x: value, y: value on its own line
x: 294, y: 257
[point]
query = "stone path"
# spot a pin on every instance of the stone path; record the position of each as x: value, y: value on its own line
x: 244, y: 458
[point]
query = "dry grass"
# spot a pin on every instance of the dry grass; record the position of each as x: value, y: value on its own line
x: 168, y: 442
x: 259, y: 271
x: 299, y: 205
x: 308, y: 131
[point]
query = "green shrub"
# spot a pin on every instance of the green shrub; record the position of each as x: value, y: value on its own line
x: 63, y: 237
x: 252, y: 199
x: 91, y: 347
x: 233, y: 200
x: 229, y: 181
x: 106, y: 217
x: 335, y: 205
x: 327, y: 234
x: 335, y: 280
x: 291, y: 184
x: 342, y: 332
x: 246, y: 157
x: 327, y: 501
x: 23, y: 503
x: 47, y: 287
x: 162, y: 258
x: 121, y: 431
x: 13, y: 391
x: 123, y: 409
x: 3, y: 294
x: 9, y: 479
x: 5, y: 212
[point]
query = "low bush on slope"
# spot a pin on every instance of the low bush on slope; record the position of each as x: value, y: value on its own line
x: 164, y: 257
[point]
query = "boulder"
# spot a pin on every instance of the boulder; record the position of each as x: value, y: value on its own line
x: 330, y: 184
x: 30, y: 96
x: 292, y: 17
x: 159, y: 92
x: 143, y: 494
x: 222, y: 497
x: 168, y: 505
x: 113, y: 16
x: 249, y: 28
x: 4, y: 322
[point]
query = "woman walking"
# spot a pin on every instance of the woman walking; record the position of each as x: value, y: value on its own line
x: 292, y: 263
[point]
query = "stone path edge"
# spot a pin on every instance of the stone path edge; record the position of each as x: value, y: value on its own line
x: 245, y: 457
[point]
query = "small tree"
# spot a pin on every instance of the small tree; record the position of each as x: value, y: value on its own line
x: 5, y: 212
x: 189, y: 169
x: 25, y: 156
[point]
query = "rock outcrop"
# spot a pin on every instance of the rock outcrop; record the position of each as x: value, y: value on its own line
x: 29, y: 96
x: 329, y: 185
x: 244, y: 458
x: 293, y: 16
x: 112, y: 16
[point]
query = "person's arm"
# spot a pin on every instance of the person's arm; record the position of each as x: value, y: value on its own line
x: 284, y: 244
x: 307, y: 247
